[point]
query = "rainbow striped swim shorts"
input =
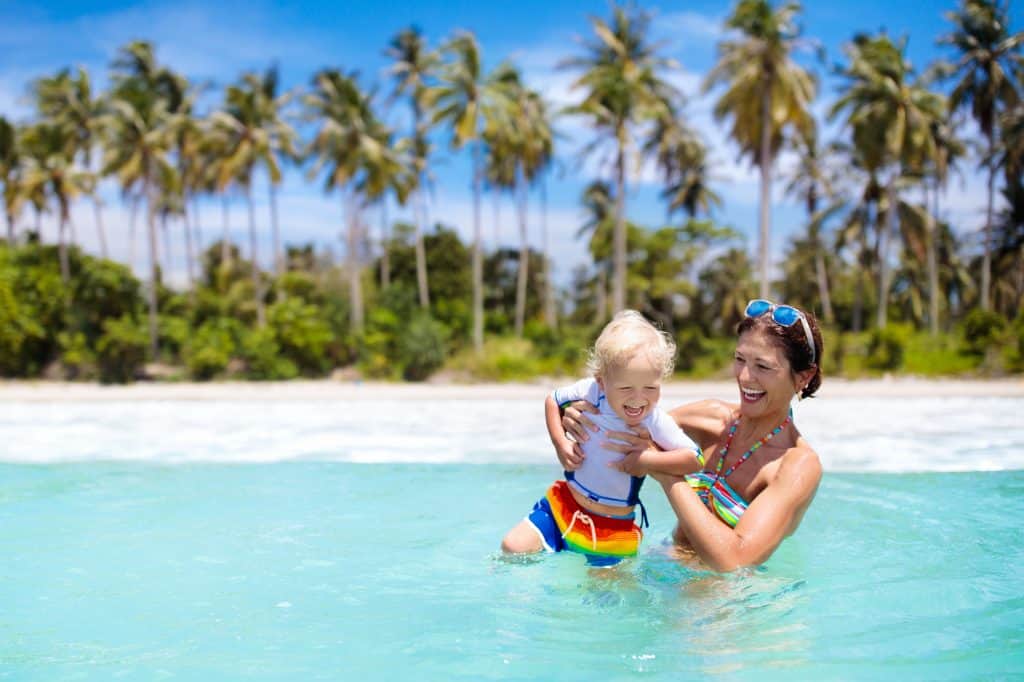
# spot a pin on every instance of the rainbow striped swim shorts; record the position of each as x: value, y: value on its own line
x: 564, y: 525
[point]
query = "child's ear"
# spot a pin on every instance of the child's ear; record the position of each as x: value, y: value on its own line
x: 600, y: 382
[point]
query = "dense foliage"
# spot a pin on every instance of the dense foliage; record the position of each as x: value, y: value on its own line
x: 94, y: 326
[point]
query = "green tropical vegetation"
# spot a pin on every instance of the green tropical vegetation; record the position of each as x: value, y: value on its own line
x: 418, y: 300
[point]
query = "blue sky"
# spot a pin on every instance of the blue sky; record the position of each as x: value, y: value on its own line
x: 216, y: 42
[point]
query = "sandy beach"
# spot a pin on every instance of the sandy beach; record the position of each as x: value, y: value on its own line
x: 28, y: 391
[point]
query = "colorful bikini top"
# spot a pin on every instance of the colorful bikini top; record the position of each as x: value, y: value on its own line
x: 712, y: 488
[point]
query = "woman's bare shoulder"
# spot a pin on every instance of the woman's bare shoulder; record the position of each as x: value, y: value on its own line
x: 704, y: 420
x: 801, y: 464
x: 711, y: 408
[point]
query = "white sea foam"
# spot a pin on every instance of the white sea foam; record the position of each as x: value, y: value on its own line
x: 851, y: 433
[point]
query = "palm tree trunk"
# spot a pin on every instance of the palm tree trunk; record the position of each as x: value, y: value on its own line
x: 986, y: 261
x: 225, y: 250
x: 933, y: 267
x: 550, y: 318
x: 189, y: 255
x: 619, y: 238
x: 62, y: 248
x: 478, y: 266
x: 766, y: 189
x: 885, y: 234
x: 820, y: 270
x: 253, y: 251
x: 858, y: 299
x: 133, y: 214
x: 602, y: 294
x: 496, y: 216
x: 524, y: 257
x: 823, y: 292
x: 385, y: 265
x: 10, y: 228
x: 354, y: 284
x: 197, y: 224
x: 1020, y: 278
x: 275, y: 232
x: 101, y: 233
x: 421, y: 253
x: 167, y: 244
x: 154, y: 338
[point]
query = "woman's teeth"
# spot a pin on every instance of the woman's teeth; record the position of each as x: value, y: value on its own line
x: 750, y: 394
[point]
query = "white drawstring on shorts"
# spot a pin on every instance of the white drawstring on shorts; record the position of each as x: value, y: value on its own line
x: 586, y: 521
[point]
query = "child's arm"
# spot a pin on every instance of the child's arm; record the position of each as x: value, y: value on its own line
x: 667, y: 450
x: 679, y: 462
x: 569, y: 454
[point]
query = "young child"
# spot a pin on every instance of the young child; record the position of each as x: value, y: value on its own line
x: 591, y: 511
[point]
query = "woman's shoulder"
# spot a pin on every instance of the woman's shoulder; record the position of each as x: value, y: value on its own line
x: 710, y: 409
x: 704, y: 420
x: 801, y: 462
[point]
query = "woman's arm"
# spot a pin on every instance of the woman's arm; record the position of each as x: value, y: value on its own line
x: 775, y: 513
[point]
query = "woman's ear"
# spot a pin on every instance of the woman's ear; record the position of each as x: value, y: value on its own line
x: 801, y: 379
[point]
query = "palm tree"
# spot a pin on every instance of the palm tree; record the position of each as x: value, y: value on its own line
x: 461, y: 99
x: 68, y: 101
x: 858, y: 194
x: 252, y: 133
x: 537, y: 161
x: 681, y: 157
x: 810, y: 181
x: 414, y: 70
x: 140, y: 134
x: 53, y: 172
x: 890, y: 119
x: 11, y: 170
x: 986, y: 82
x: 912, y: 282
x: 191, y: 180
x: 520, y: 144
x: 725, y: 286
x: 766, y: 92
x: 354, y: 147
x: 948, y: 149
x: 210, y: 166
x: 622, y: 88
x: 389, y: 170
x: 599, y: 210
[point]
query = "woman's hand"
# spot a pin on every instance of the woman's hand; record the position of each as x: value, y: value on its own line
x: 576, y: 423
x: 629, y: 441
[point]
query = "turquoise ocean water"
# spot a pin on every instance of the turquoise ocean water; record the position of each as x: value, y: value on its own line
x: 339, y: 556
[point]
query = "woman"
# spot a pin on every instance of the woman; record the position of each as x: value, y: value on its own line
x: 759, y: 475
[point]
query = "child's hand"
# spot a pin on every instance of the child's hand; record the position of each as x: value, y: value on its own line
x: 570, y: 456
x: 634, y: 463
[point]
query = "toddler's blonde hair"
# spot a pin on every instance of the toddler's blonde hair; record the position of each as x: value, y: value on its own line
x: 627, y: 335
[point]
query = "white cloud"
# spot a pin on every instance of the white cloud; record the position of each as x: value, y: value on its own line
x: 690, y: 27
x: 202, y: 39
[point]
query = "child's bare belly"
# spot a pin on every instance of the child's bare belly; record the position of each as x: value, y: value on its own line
x: 597, y: 507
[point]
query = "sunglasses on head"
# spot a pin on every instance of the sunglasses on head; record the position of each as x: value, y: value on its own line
x: 782, y: 315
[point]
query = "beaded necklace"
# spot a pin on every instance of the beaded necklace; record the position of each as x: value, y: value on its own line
x: 746, y: 455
